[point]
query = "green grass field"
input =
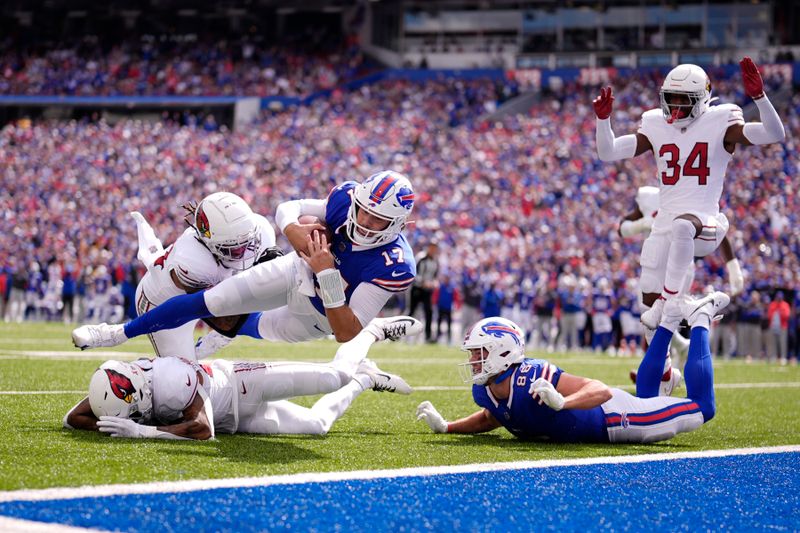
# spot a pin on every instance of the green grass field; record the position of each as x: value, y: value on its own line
x: 758, y: 405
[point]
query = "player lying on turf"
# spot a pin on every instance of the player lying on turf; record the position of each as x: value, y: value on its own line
x: 322, y: 288
x: 532, y: 398
x: 175, y: 398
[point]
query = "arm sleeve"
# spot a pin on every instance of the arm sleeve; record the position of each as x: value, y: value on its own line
x: 610, y: 148
x: 288, y: 212
x: 367, y: 301
x: 770, y: 129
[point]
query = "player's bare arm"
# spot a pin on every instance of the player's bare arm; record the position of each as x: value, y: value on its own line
x: 609, y: 147
x: 343, y: 321
x: 81, y: 417
x: 770, y: 129
x: 582, y: 393
x: 478, y: 422
x: 195, y: 424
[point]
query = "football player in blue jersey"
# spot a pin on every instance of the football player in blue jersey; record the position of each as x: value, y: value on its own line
x: 533, y: 398
x: 319, y: 289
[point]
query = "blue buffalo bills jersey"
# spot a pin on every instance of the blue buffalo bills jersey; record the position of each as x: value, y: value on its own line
x: 390, y: 266
x: 526, y: 418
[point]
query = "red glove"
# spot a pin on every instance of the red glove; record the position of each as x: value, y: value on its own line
x: 753, y: 84
x: 603, y: 103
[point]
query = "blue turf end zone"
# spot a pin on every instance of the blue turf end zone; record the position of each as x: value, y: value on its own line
x: 742, y: 493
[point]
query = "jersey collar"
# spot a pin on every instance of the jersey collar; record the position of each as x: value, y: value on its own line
x: 506, y: 374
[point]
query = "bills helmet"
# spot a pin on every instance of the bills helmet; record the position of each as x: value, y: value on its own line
x: 121, y: 389
x: 502, y: 344
x: 388, y: 196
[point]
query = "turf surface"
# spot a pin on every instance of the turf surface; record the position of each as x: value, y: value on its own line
x: 379, y: 431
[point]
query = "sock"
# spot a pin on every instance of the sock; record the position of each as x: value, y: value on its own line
x: 350, y: 354
x: 250, y: 327
x: 679, y: 259
x: 175, y: 312
x: 651, y: 368
x: 699, y: 372
x: 332, y: 406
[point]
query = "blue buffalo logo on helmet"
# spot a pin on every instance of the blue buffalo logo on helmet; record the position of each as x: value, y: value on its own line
x: 381, y: 190
x: 405, y: 197
x: 497, y: 329
x: 121, y: 386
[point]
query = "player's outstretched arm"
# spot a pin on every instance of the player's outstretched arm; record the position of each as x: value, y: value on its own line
x: 478, y: 422
x: 609, y: 147
x: 770, y: 129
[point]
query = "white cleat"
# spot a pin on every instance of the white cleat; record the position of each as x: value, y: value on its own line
x: 98, y: 336
x: 383, y: 381
x: 711, y: 306
x: 394, y: 327
x: 652, y: 317
x: 673, y: 380
x: 210, y: 343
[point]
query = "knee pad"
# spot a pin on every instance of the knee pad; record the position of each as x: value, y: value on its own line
x: 653, y: 261
x: 682, y: 229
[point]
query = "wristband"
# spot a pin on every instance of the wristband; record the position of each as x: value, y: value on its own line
x: 332, y: 288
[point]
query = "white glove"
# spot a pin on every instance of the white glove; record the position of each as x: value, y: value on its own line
x: 547, y: 394
x: 119, y: 427
x: 735, y: 276
x: 427, y: 412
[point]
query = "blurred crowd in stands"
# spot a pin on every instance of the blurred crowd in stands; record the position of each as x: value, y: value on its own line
x: 177, y: 66
x: 523, y: 213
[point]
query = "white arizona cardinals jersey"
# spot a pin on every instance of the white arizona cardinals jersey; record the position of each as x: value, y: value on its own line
x: 193, y: 264
x: 691, y: 161
x: 174, y: 383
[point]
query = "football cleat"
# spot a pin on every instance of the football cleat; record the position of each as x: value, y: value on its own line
x: 393, y: 328
x: 383, y: 381
x: 97, y: 336
x: 210, y: 343
x: 652, y: 317
x: 670, y: 381
x: 710, y: 306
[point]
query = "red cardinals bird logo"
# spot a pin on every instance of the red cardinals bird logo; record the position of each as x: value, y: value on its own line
x: 202, y: 222
x: 121, y: 386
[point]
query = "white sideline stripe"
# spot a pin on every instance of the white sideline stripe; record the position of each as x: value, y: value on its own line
x: 774, y: 385
x: 37, y: 392
x: 71, y: 354
x: 96, y: 491
x: 15, y: 525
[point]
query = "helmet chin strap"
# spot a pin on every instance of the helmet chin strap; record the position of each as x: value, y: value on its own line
x: 673, y: 116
